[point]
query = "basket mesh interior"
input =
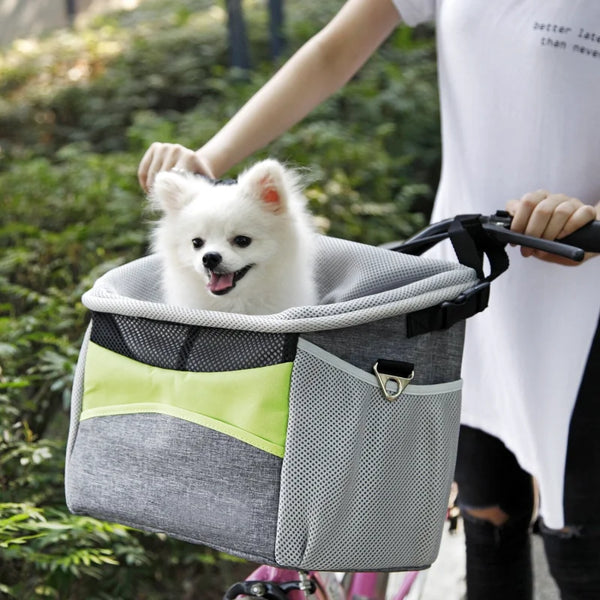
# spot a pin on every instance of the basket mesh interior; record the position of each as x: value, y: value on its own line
x: 188, y: 347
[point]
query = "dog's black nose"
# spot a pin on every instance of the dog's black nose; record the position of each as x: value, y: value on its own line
x: 211, y: 259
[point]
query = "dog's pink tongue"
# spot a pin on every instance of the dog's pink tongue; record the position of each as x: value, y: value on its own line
x: 220, y: 281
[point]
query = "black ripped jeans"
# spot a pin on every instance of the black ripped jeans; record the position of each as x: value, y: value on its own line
x: 499, y: 558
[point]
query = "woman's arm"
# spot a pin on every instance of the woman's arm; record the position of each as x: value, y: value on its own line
x: 317, y: 70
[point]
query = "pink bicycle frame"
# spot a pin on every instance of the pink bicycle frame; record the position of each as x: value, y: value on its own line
x: 362, y: 586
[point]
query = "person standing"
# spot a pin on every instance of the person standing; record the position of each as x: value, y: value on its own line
x: 519, y: 88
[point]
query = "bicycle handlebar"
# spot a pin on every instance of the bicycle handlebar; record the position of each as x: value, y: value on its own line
x: 476, y: 236
x: 497, y: 228
x: 587, y: 237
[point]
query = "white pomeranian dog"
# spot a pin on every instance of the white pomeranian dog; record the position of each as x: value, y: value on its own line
x: 243, y: 247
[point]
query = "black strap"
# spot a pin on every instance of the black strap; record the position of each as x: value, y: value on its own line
x: 471, y: 244
x: 462, y: 233
x: 397, y: 368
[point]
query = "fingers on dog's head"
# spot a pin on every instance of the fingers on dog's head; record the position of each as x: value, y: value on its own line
x: 171, y: 191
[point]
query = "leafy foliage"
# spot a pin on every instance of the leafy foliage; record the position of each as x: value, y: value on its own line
x: 77, y: 110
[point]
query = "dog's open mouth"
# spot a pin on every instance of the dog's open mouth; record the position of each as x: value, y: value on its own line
x: 222, y: 283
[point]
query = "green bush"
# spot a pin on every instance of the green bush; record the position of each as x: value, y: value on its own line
x: 77, y: 110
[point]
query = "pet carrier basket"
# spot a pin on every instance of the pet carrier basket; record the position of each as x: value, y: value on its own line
x: 271, y: 437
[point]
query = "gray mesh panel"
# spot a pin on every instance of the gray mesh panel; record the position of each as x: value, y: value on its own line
x: 190, y: 348
x: 365, y: 482
x: 160, y: 473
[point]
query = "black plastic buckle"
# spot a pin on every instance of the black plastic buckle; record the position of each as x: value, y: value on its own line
x: 465, y: 305
x: 444, y: 315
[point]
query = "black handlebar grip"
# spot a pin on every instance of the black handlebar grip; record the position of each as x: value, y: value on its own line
x: 587, y: 237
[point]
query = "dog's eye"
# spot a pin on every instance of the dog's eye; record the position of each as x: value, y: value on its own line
x: 197, y: 243
x: 242, y: 241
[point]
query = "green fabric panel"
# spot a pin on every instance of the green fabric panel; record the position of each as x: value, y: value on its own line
x: 250, y: 405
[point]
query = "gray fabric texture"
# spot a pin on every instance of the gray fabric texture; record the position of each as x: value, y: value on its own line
x: 158, y: 473
x: 436, y: 355
x: 365, y: 482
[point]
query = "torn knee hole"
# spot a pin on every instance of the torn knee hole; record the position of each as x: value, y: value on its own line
x: 567, y: 532
x: 493, y: 514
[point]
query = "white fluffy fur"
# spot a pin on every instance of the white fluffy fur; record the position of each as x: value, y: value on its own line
x: 265, y: 205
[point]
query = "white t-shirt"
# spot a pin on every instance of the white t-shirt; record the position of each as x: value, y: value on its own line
x: 520, y: 98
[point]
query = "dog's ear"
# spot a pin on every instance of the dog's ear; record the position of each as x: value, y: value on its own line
x: 269, y: 182
x: 170, y: 192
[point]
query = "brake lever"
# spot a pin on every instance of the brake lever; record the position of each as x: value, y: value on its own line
x: 498, y: 227
x: 506, y: 236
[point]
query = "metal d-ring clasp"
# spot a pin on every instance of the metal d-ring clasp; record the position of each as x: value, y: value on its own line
x: 393, y: 377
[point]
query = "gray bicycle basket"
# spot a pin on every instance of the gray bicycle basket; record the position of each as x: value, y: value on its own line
x: 270, y: 437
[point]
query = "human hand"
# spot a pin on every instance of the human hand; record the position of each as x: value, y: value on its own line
x: 549, y: 216
x: 164, y: 157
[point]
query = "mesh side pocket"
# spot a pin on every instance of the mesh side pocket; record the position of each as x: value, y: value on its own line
x: 365, y: 482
